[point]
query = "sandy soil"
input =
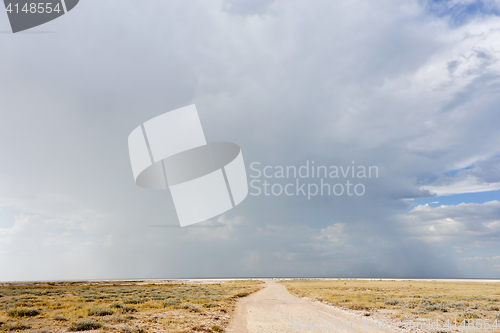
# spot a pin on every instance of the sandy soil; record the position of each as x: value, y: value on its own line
x: 274, y: 309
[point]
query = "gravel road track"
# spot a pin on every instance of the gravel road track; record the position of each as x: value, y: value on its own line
x: 274, y: 309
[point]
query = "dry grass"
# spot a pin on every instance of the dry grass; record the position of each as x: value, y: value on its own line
x: 120, y: 306
x: 406, y: 300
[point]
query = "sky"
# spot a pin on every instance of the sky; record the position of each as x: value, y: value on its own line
x: 409, y: 87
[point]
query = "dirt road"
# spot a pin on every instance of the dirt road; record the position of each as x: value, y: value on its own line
x: 274, y: 309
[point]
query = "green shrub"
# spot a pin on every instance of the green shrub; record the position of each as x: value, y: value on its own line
x: 103, y: 296
x: 15, y: 327
x: 100, y: 312
x: 159, y: 297
x: 492, y: 308
x: 437, y: 307
x: 456, y: 305
x: 128, y: 309
x: 469, y: 315
x: 132, y: 330
x: 357, y: 306
x: 392, y: 302
x: 60, y: 318
x: 420, y: 312
x: 133, y: 301
x: 85, y: 325
x: 211, y: 305
x: 189, y: 307
x: 171, y: 302
x: 20, y: 313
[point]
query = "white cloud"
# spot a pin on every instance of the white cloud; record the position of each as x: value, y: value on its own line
x: 466, y: 224
x: 483, y: 177
x: 470, y: 184
x: 37, y: 247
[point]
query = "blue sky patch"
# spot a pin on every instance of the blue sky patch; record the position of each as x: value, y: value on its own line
x: 7, y: 217
x: 460, y: 13
x: 479, y: 197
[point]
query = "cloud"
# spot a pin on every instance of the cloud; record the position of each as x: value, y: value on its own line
x: 464, y: 185
x: 47, y: 245
x: 244, y: 7
x: 465, y: 235
x: 467, y: 224
x: 491, y: 263
x: 484, y: 176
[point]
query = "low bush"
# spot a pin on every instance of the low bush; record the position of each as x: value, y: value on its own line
x: 131, y: 330
x: 20, y: 313
x: 100, y: 312
x: 15, y: 327
x: 410, y: 305
x: 171, y: 302
x: 357, y: 306
x: 133, y: 301
x: 420, y: 312
x: 392, y: 302
x: 60, y: 318
x: 211, y: 305
x: 85, y: 325
x: 128, y: 309
x: 469, y: 315
x: 158, y: 297
x: 190, y: 307
x: 116, y: 319
x: 437, y: 307
x: 456, y: 305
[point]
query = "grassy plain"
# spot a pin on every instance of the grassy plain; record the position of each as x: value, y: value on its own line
x: 128, y: 306
x: 406, y: 300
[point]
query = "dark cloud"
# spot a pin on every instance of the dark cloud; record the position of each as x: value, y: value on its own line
x: 247, y: 7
